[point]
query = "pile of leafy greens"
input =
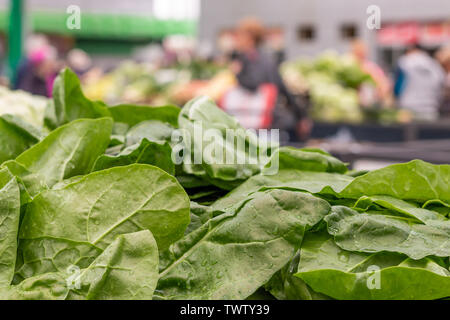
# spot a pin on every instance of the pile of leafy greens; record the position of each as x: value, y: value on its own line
x: 99, y: 208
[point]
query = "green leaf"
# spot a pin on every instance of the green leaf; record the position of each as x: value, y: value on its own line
x: 405, y: 208
x: 49, y: 286
x: 126, y: 270
x: 16, y: 136
x: 146, y: 152
x: 199, y: 215
x: 284, y: 285
x: 134, y: 114
x: 93, y: 210
x: 216, y: 147
x: 9, y: 225
x: 70, y: 103
x: 416, y: 180
x: 340, y: 274
x: 313, y: 182
x: 438, y: 206
x: 237, y: 252
x: 372, y: 232
x: 306, y: 160
x: 68, y: 151
x: 152, y: 130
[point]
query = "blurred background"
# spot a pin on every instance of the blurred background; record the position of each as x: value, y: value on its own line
x: 368, y: 81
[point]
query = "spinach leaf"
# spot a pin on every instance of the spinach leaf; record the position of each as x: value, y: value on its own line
x: 313, y: 182
x: 416, y: 180
x: 126, y: 270
x: 146, y: 152
x: 92, y: 211
x: 235, y: 253
x: 372, y: 232
x: 70, y: 103
x: 68, y: 151
x: 49, y: 286
x: 284, y: 285
x: 16, y: 136
x: 216, y: 148
x: 341, y: 274
x: 134, y: 114
x: 406, y: 208
x: 306, y: 160
x: 152, y: 130
x: 9, y: 225
x: 438, y: 206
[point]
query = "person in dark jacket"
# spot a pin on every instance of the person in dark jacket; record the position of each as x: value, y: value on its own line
x: 254, y: 67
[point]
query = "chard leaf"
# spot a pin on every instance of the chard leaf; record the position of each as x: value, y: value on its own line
x: 68, y: 151
x: 92, y: 211
x: 340, y: 274
x: 408, y: 209
x: 70, y: 103
x: 364, y: 232
x: 237, y: 252
x: 126, y: 270
x: 9, y: 225
x: 145, y: 152
x: 134, y: 114
x: 16, y: 136
x: 416, y: 180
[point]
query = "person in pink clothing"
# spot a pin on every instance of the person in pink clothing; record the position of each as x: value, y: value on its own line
x: 382, y: 82
x: 38, y: 72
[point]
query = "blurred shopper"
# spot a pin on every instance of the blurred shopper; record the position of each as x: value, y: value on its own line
x: 443, y: 57
x: 79, y: 61
x: 383, y: 85
x: 419, y: 83
x: 38, y: 71
x: 275, y: 42
x: 255, y: 103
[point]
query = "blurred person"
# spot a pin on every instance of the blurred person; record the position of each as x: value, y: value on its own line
x: 383, y: 85
x: 38, y: 71
x: 275, y: 42
x: 419, y: 83
x: 257, y: 73
x: 79, y: 61
x: 443, y: 56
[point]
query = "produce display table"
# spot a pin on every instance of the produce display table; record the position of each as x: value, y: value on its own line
x: 386, y: 132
